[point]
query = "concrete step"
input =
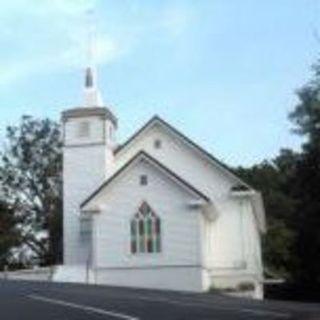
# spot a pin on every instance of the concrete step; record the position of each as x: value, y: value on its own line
x: 73, y: 273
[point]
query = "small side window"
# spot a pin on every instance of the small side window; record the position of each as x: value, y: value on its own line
x: 86, y: 230
x: 84, y: 129
x: 143, y: 180
x: 157, y: 144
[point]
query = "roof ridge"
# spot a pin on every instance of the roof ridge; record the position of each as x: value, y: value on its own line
x: 156, y: 117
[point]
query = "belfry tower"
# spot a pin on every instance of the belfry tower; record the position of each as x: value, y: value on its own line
x: 88, y: 144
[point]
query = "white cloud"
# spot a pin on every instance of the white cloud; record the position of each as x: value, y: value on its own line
x: 48, y: 36
x: 107, y: 50
x: 44, y: 7
x: 177, y: 18
x: 55, y: 60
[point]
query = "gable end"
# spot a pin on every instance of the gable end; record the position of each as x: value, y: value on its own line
x: 144, y: 155
x: 209, y: 156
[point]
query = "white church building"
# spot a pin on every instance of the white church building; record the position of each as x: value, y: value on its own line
x: 156, y: 211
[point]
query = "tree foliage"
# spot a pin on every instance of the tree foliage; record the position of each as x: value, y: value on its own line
x: 31, y: 178
x: 290, y: 184
x: 9, y: 235
x: 271, y: 178
x: 306, y: 186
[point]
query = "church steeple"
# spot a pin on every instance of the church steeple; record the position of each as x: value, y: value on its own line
x: 92, y: 95
x: 89, y: 78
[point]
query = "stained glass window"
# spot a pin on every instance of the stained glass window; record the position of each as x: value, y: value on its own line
x: 145, y: 229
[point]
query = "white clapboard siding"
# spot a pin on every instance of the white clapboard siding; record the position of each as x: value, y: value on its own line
x: 227, y: 234
x: 121, y: 200
x: 86, y: 162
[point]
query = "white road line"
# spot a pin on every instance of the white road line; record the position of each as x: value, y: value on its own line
x: 257, y: 312
x: 83, y: 307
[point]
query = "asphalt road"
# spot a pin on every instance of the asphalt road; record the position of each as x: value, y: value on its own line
x: 21, y: 300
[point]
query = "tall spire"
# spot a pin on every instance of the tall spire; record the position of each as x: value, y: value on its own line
x: 92, y: 95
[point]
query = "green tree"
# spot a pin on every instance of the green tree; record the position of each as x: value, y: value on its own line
x: 306, y: 186
x: 31, y: 178
x: 272, y: 179
x: 9, y: 234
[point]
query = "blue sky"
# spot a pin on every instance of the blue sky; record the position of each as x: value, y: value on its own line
x: 224, y: 72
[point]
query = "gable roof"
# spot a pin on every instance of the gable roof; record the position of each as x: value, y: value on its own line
x: 156, y: 119
x: 150, y: 159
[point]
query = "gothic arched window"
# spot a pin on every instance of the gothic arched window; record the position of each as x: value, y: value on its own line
x: 145, y: 231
